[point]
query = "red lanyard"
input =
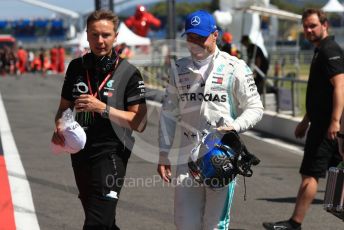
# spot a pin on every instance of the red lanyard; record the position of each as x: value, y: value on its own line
x: 103, y: 82
x: 101, y: 85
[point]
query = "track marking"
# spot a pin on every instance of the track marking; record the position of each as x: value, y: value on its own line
x: 6, y: 205
x: 24, y: 210
x: 292, y: 148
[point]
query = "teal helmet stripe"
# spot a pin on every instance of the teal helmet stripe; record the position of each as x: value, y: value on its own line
x: 225, y: 216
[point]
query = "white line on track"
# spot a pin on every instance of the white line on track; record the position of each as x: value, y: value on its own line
x: 24, y: 210
x: 292, y: 148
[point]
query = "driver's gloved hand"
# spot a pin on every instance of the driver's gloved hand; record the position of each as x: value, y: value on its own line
x: 249, y: 158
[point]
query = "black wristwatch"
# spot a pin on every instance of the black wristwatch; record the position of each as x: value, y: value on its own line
x: 106, y: 112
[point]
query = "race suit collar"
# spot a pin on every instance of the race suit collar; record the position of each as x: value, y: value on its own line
x: 200, y: 63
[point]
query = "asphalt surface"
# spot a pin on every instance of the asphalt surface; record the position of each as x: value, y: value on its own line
x: 145, y: 202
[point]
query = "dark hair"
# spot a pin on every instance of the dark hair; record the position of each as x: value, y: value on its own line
x: 245, y: 38
x: 103, y: 15
x: 321, y: 15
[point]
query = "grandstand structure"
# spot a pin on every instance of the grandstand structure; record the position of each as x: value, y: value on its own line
x: 30, y: 29
x: 35, y: 33
x: 40, y: 32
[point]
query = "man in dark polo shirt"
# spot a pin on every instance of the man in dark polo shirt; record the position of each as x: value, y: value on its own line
x: 324, y: 107
x: 107, y: 94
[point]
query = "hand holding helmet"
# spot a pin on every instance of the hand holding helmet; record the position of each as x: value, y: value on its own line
x: 221, y: 157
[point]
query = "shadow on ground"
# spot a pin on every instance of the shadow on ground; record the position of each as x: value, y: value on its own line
x: 289, y: 200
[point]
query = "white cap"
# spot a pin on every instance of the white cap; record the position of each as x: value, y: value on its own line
x: 75, y: 139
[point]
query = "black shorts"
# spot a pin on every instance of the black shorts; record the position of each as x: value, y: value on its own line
x: 99, y: 181
x: 320, y: 153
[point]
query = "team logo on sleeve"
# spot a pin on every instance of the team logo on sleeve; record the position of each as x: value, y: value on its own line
x: 141, y: 88
x: 334, y: 58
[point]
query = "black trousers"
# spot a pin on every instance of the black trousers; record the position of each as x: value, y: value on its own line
x: 99, y: 181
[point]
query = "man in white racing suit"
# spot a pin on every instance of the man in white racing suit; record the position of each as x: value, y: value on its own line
x: 208, y: 88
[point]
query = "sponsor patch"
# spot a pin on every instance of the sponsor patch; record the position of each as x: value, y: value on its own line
x: 217, y: 80
x: 203, y: 97
x: 334, y: 58
x: 109, y: 83
x: 217, y: 88
x: 108, y: 94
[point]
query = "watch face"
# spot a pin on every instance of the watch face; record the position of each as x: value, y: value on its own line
x: 105, y: 113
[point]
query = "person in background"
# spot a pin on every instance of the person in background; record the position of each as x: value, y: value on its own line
x: 22, y: 60
x: 42, y: 59
x: 2, y: 61
x: 31, y: 57
x: 205, y: 89
x: 340, y: 138
x: 11, y: 60
x: 107, y: 94
x: 228, y: 46
x: 257, y: 61
x: 141, y: 22
x: 53, y: 59
x: 36, y: 63
x: 60, y: 59
x: 124, y: 51
x: 324, y: 107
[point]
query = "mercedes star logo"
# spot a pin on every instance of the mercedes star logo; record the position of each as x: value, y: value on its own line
x: 195, y: 21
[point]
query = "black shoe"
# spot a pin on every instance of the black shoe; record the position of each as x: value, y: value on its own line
x: 281, y: 225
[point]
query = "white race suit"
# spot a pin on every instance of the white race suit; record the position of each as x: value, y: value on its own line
x: 197, y: 101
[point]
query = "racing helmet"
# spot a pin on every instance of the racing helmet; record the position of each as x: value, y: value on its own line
x: 222, y: 157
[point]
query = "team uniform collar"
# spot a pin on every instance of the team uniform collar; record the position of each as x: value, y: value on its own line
x: 322, y: 42
x: 210, y: 59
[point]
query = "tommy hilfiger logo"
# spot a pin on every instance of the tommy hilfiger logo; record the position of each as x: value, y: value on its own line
x: 107, y: 94
x: 217, y: 80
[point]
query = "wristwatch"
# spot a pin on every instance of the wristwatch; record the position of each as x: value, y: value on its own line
x: 105, y: 113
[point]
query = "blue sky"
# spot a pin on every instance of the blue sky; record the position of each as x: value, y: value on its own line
x: 14, y: 9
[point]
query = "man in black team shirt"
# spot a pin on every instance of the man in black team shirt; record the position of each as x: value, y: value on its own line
x: 324, y: 106
x: 108, y: 96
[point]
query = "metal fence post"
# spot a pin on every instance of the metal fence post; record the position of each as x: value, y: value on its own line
x: 293, y: 97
